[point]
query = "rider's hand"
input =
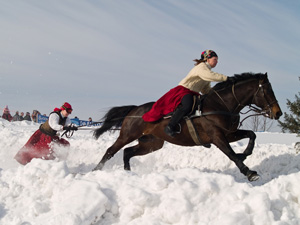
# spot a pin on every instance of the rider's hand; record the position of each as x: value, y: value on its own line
x: 73, y: 128
x: 68, y: 128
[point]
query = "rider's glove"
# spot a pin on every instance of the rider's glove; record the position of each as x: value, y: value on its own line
x: 73, y: 128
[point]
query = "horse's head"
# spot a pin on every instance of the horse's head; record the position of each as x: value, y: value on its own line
x: 248, y: 89
x: 265, y: 99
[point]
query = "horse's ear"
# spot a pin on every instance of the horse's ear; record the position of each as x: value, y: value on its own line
x: 266, y: 74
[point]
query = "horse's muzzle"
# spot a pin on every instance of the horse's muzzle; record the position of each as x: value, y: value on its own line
x: 276, y: 112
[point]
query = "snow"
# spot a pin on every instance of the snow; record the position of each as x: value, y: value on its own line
x: 175, y: 185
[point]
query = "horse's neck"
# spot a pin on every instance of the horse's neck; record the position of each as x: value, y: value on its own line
x: 233, y: 99
x: 243, y: 94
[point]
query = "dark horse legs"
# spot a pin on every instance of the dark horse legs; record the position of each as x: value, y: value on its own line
x: 147, y: 144
x: 111, y: 151
x: 241, y: 134
x: 150, y: 143
x: 222, y: 143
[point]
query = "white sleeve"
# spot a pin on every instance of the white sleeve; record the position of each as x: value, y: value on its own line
x: 208, y: 75
x: 54, y: 122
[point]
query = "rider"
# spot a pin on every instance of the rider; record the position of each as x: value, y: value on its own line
x: 39, y: 145
x: 181, y: 97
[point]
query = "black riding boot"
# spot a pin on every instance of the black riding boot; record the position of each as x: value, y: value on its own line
x: 182, y: 110
x: 176, y: 117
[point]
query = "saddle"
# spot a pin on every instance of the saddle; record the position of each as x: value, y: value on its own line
x: 196, y: 109
x: 195, y: 112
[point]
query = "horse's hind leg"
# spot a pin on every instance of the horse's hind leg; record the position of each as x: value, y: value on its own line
x: 147, y: 144
x: 111, y: 151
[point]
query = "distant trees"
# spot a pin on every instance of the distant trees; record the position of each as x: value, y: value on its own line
x: 291, y: 121
x: 259, y: 123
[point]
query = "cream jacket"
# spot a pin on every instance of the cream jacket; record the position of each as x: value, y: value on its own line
x: 199, y: 78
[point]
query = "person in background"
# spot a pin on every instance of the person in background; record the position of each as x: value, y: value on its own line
x: 34, y: 115
x: 21, y: 116
x: 6, y: 114
x: 27, y: 116
x: 40, y: 144
x: 76, y: 121
x: 16, y: 117
x: 90, y: 121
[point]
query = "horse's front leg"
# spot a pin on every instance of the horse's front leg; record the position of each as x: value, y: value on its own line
x: 222, y: 143
x: 241, y: 134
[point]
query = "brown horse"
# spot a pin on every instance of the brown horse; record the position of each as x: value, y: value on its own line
x: 218, y: 124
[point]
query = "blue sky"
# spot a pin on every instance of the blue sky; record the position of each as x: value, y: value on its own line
x: 98, y: 54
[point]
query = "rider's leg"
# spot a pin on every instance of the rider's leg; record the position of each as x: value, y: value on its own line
x: 182, y: 110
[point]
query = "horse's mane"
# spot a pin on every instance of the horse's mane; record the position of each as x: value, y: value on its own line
x: 238, y: 78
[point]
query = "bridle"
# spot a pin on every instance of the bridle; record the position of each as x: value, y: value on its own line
x: 268, y: 104
x: 258, y: 112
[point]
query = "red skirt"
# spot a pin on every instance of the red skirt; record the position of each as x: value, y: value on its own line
x: 39, y: 146
x: 167, y: 103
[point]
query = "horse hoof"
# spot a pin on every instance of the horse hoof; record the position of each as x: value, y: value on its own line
x: 252, y: 176
x: 127, y: 168
x: 98, y: 167
x: 207, y: 145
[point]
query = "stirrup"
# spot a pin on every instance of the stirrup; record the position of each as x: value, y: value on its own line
x: 168, y: 131
x: 172, y: 132
x: 179, y: 130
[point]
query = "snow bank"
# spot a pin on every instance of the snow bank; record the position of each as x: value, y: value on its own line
x: 176, y: 185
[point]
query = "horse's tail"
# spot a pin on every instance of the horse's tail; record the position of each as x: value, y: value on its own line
x: 113, y: 118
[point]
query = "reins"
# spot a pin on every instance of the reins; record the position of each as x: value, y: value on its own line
x: 90, y: 124
x: 69, y: 133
